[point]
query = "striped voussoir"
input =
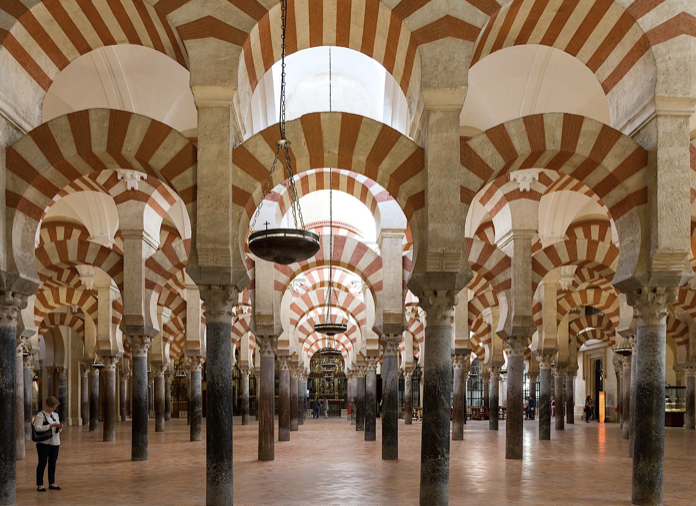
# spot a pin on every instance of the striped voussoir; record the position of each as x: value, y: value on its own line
x: 49, y: 299
x: 486, y: 232
x: 586, y: 278
x: 598, y: 257
x: 342, y: 279
x: 595, y: 334
x: 52, y: 231
x: 348, y: 254
x: 165, y: 263
x: 332, y: 139
x: 54, y: 320
x: 318, y: 342
x: 68, y: 276
x: 416, y: 328
x: 609, y: 37
x: 172, y: 297
x: 67, y: 148
x: 316, y: 314
x: 595, y: 321
x: 609, y: 163
x: 478, y: 303
x: 606, y: 302
x: 240, y: 327
x: 316, y: 298
x: 45, y: 37
x: 491, y: 266
x: 677, y: 330
x: 595, y: 230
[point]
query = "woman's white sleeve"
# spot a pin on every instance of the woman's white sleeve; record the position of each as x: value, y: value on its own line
x: 42, y: 427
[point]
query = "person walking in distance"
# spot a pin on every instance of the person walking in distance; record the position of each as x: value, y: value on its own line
x: 326, y: 409
x: 46, y: 434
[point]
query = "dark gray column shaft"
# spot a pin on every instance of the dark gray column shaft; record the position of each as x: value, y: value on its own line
x: 459, y: 398
x: 626, y: 398
x: 245, y: 397
x: 8, y: 475
x: 533, y: 394
x: 390, y: 399
x: 649, y: 439
x: 690, y: 418
x: 560, y: 400
x: 494, y: 398
x: 570, y: 398
x: 408, y: 398
x: 632, y: 407
x: 294, y: 422
x: 267, y: 405
x: 19, y: 405
x: 360, y: 404
x: 84, y: 395
x: 109, y: 373
x: 258, y: 392
x: 197, y: 400
x: 353, y: 386
x: 63, y: 395
x: 300, y: 401
x: 515, y: 384
x: 371, y: 403
x: 159, y: 401
x: 129, y: 395
x: 93, y: 400
x: 284, y: 402
x: 167, y: 396
x: 140, y: 412
x: 545, y: 402
x: 28, y: 394
x: 122, y: 396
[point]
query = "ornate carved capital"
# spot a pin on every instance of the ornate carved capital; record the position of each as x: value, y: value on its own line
x: 559, y: 372
x: 93, y: 371
x: 283, y: 363
x: 438, y: 305
x: 110, y: 363
x: 544, y: 361
x: 408, y: 375
x: 390, y: 343
x: 245, y: 373
x: 371, y: 363
x: 651, y: 304
x: 10, y: 304
x: 533, y: 377
x: 460, y: 362
x: 219, y: 301
x: 495, y: 371
x: 159, y: 369
x: 360, y: 371
x: 516, y: 346
x: 27, y: 362
x: 196, y: 362
x: 267, y: 345
x: 139, y: 345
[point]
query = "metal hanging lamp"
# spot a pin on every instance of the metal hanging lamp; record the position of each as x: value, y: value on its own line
x: 328, y: 327
x: 283, y: 245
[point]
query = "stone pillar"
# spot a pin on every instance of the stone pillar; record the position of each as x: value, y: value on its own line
x: 257, y: 375
x: 390, y: 396
x: 626, y: 397
x: 159, y: 397
x: 408, y: 397
x: 122, y: 395
x: 9, y: 305
x: 129, y: 392
x: 245, y: 396
x: 461, y: 366
x: 371, y: 401
x: 632, y: 406
x: 360, y: 399
x: 494, y: 397
x: 109, y: 373
x: 266, y: 396
x: 93, y: 399
x: 352, y: 386
x: 545, y: 397
x: 139, y: 346
x: 19, y: 400
x: 28, y: 394
x: 284, y: 399
x: 514, y: 435
x: 188, y: 393
x: 690, y: 417
x: 62, y: 394
x: 533, y: 393
x: 294, y: 401
x: 437, y: 391
x: 197, y: 398
x: 486, y: 388
x: 650, y: 306
x: 167, y: 395
x: 301, y: 389
x: 570, y: 396
x: 558, y: 375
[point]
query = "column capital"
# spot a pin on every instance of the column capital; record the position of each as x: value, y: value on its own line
x: 371, y: 363
x: 390, y: 343
x: 460, y: 362
x: 110, y: 363
x: 545, y: 361
x: 27, y: 361
x: 516, y: 346
x: 408, y: 375
x: 360, y: 371
x: 283, y: 363
x: 533, y: 376
x: 438, y: 305
x: 84, y: 370
x: 495, y: 371
x: 139, y: 345
x: 571, y: 373
x: 651, y: 304
x: 219, y: 301
x: 559, y: 372
x: 196, y: 362
x: 245, y: 373
x: 93, y: 371
x: 159, y: 369
x: 10, y: 304
x: 267, y: 345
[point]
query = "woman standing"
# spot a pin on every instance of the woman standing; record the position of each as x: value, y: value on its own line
x: 48, y: 449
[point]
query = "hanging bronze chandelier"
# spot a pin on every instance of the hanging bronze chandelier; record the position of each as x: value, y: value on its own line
x: 283, y: 245
x: 329, y: 327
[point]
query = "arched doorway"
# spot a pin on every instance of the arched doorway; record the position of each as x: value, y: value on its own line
x: 327, y: 380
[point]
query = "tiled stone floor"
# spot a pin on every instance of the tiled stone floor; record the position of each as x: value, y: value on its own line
x: 328, y: 463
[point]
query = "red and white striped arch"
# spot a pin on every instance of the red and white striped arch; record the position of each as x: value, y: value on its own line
x: 595, y: 230
x: 318, y: 342
x: 492, y: 267
x: 332, y: 139
x: 606, y: 302
x: 316, y: 299
x: 49, y: 299
x: 305, y: 325
x: 62, y: 319
x: 65, y: 149
x: 677, y: 330
x: 594, y: 334
x: 595, y: 321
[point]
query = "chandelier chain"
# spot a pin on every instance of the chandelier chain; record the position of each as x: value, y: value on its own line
x: 329, y: 289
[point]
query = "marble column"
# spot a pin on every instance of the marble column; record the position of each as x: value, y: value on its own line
x: 159, y: 397
x: 371, y: 400
x: 493, y: 397
x: 533, y: 393
x: 294, y: 402
x: 93, y: 399
x: 167, y: 395
x: 690, y: 416
x: 360, y: 400
x: 486, y: 388
x: 129, y: 393
x: 109, y: 374
x: 632, y: 406
x: 390, y: 396
x: 219, y: 301
x: 626, y: 397
x: 650, y: 306
x: 570, y: 396
x: 514, y: 435
x: 257, y: 375
x: 408, y: 397
x: 62, y: 394
x: 122, y: 396
x: 437, y: 391
x: 245, y: 396
x: 301, y: 389
x: 544, y: 403
x: 559, y: 397
x: 351, y: 397
x: 460, y: 364
x: 266, y: 396
x: 283, y: 399
x: 28, y: 394
x: 48, y: 371
x: 197, y: 398
x: 19, y: 401
x: 188, y: 393
x: 139, y: 347
x: 9, y: 304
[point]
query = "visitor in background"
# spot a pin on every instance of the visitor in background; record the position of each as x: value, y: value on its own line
x: 531, y: 404
x: 326, y: 409
x: 317, y: 409
x: 48, y: 420
x: 553, y: 408
x: 588, y: 409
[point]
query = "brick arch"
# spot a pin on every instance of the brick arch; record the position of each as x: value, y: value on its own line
x: 54, y: 319
x: 316, y: 299
x: 37, y: 43
x: 491, y: 267
x: 48, y: 299
x: 598, y: 334
x: 606, y: 37
x: 595, y: 321
x: 304, y: 326
x: 609, y: 163
x: 605, y: 301
x: 331, y: 139
x: 478, y: 303
x: 677, y: 330
x: 592, y: 229
x: 323, y: 342
x: 58, y: 152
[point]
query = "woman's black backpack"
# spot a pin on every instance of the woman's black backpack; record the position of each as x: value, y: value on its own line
x: 39, y: 437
